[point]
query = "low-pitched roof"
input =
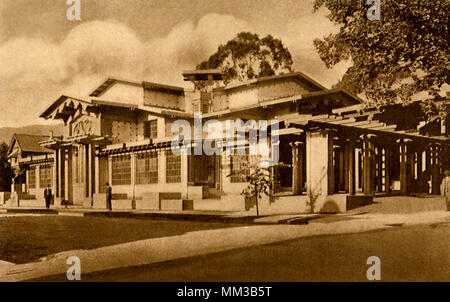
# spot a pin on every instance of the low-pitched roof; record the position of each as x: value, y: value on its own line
x: 108, y: 83
x: 29, y: 143
x: 297, y: 74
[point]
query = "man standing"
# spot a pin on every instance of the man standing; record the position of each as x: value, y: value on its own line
x: 445, y: 188
x: 108, y: 197
x: 47, y: 196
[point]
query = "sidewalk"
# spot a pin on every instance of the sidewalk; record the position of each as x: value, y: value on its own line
x: 198, y: 243
x: 195, y: 215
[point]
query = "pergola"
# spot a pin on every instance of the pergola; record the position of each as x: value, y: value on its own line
x: 323, y: 157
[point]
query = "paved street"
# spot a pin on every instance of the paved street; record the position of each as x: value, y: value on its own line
x: 412, y: 245
x: 27, y: 238
x: 419, y: 253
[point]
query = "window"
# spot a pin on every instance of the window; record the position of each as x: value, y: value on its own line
x: 151, y: 129
x: 173, y: 167
x: 32, y: 178
x: 121, y: 170
x: 237, y: 165
x: 196, y: 107
x: 205, y: 108
x: 147, y: 168
x: 45, y: 176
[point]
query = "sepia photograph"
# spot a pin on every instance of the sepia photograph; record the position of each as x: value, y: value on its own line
x: 224, y: 147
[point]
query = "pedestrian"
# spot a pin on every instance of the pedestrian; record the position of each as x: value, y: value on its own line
x: 47, y: 196
x: 108, y: 197
x: 445, y: 188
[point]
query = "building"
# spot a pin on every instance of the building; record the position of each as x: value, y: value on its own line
x: 334, y: 153
x: 32, y: 165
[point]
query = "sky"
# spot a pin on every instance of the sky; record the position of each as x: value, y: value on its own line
x: 44, y: 55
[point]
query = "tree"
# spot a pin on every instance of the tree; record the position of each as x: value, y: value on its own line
x: 6, y: 173
x: 258, y: 179
x: 404, y: 53
x: 247, y: 57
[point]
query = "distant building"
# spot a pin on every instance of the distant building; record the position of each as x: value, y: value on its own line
x: 332, y: 150
x: 31, y: 163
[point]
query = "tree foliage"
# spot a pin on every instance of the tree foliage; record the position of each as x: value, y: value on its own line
x: 6, y: 173
x: 404, y: 53
x: 258, y: 180
x: 247, y: 57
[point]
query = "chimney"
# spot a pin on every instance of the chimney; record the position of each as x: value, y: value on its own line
x: 204, y: 81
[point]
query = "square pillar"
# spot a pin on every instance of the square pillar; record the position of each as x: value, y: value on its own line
x: 435, y: 175
x: 319, y: 159
x: 55, y: 175
x: 405, y: 166
x: 387, y: 170
x: 350, y: 181
x: 61, y: 175
x: 368, y: 165
x: 97, y: 175
x: 419, y: 187
x: 110, y: 170
x: 297, y: 163
x: 133, y: 175
x: 68, y: 176
x: 91, y: 172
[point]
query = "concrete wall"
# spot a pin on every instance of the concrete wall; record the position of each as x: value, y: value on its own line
x: 164, y: 100
x: 259, y: 93
x: 281, y: 88
x: 242, y: 97
x: 124, y: 93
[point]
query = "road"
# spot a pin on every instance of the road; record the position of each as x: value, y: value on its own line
x: 413, y: 253
x: 27, y: 238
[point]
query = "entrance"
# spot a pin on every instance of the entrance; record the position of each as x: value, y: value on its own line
x: 202, y: 170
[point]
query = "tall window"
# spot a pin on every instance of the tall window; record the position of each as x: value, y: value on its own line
x: 32, y: 178
x: 45, y: 176
x: 173, y: 167
x: 237, y: 162
x: 151, y: 129
x: 147, y: 168
x: 121, y: 170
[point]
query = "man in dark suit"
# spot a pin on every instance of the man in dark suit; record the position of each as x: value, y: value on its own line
x: 445, y: 188
x: 108, y: 197
x: 47, y: 196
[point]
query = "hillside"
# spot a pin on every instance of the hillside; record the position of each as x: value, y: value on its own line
x: 7, y: 132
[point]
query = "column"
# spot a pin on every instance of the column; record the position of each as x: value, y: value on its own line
x: 110, y: 170
x: 340, y: 163
x: 38, y: 180
x: 97, y: 175
x: 55, y: 175
x: 403, y: 181
x: 435, y: 179
x: 91, y: 172
x: 405, y: 166
x: 419, y: 171
x: 387, y: 169
x: 61, y: 174
x: 68, y: 176
x: 350, y: 167
x: 133, y: 175
x: 368, y: 165
x: 297, y: 163
x: 319, y: 162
